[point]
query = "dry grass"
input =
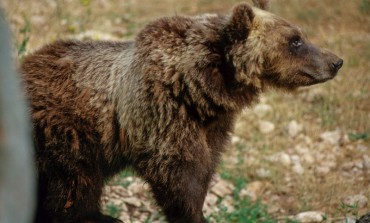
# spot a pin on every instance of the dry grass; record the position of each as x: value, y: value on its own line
x: 340, y: 25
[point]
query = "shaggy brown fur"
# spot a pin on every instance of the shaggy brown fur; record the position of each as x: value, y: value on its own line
x: 164, y: 105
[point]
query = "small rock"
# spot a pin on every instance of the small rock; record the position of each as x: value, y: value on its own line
x: 307, y: 139
x: 124, y: 216
x: 298, y: 168
x: 310, y: 217
x: 228, y: 202
x: 255, y: 189
x: 282, y: 158
x: 222, y: 188
x: 359, y: 164
x: 115, y: 201
x: 263, y: 173
x: 348, y: 166
x: 366, y: 159
x: 350, y: 220
x: 322, y: 170
x: 132, y: 201
x: 331, y: 137
x: 308, y: 158
x: 130, y: 179
x: 294, y: 128
x: 361, y: 148
x: 119, y: 191
x: 211, y: 200
x: 262, y: 109
x: 38, y: 20
x: 231, y: 160
x: 273, y: 209
x: 138, y: 187
x: 359, y: 200
x: 235, y: 139
x: 266, y: 127
x: 295, y: 159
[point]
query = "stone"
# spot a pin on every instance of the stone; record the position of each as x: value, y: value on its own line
x: 366, y: 163
x: 348, y: 166
x: 228, y: 203
x: 274, y: 209
x: 322, y: 170
x: 124, y: 216
x: 298, y: 168
x: 294, y: 128
x: 295, y: 159
x: 310, y: 217
x: 255, y: 189
x: 308, y: 158
x: 235, y: 139
x: 138, y: 187
x: 133, y: 201
x: 358, y: 200
x: 118, y: 191
x: 38, y: 20
x: 350, y: 220
x: 116, y: 201
x: 282, y: 158
x: 331, y: 137
x: 361, y: 148
x: 262, y: 109
x: 211, y: 199
x: 263, y: 173
x: 222, y: 188
x: 266, y: 127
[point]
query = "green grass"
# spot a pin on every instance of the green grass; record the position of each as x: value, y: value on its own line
x: 346, y: 209
x: 365, y: 6
x: 244, y: 211
x: 25, y: 33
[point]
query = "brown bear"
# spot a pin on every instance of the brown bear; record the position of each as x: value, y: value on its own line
x: 164, y: 105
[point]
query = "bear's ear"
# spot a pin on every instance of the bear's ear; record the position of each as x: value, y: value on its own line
x: 262, y: 4
x: 239, y: 23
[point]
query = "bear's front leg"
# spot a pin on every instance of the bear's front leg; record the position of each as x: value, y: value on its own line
x: 179, y: 180
x: 182, y: 199
x: 182, y: 196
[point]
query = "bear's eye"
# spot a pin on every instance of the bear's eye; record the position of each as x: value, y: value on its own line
x: 296, y: 42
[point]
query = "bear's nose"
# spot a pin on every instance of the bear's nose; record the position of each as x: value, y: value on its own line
x: 337, y: 65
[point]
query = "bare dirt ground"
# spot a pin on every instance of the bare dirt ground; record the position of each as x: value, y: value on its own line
x: 304, y: 151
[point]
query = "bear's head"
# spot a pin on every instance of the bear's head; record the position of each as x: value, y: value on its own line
x: 267, y: 50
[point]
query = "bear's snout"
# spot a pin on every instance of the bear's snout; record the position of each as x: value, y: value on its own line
x: 335, y: 66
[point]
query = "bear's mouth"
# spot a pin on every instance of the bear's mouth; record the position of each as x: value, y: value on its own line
x: 316, y: 78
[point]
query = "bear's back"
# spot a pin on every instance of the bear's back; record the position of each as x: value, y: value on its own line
x: 70, y: 87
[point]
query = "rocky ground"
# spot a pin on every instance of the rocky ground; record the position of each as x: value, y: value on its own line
x: 332, y: 160
x: 131, y: 200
